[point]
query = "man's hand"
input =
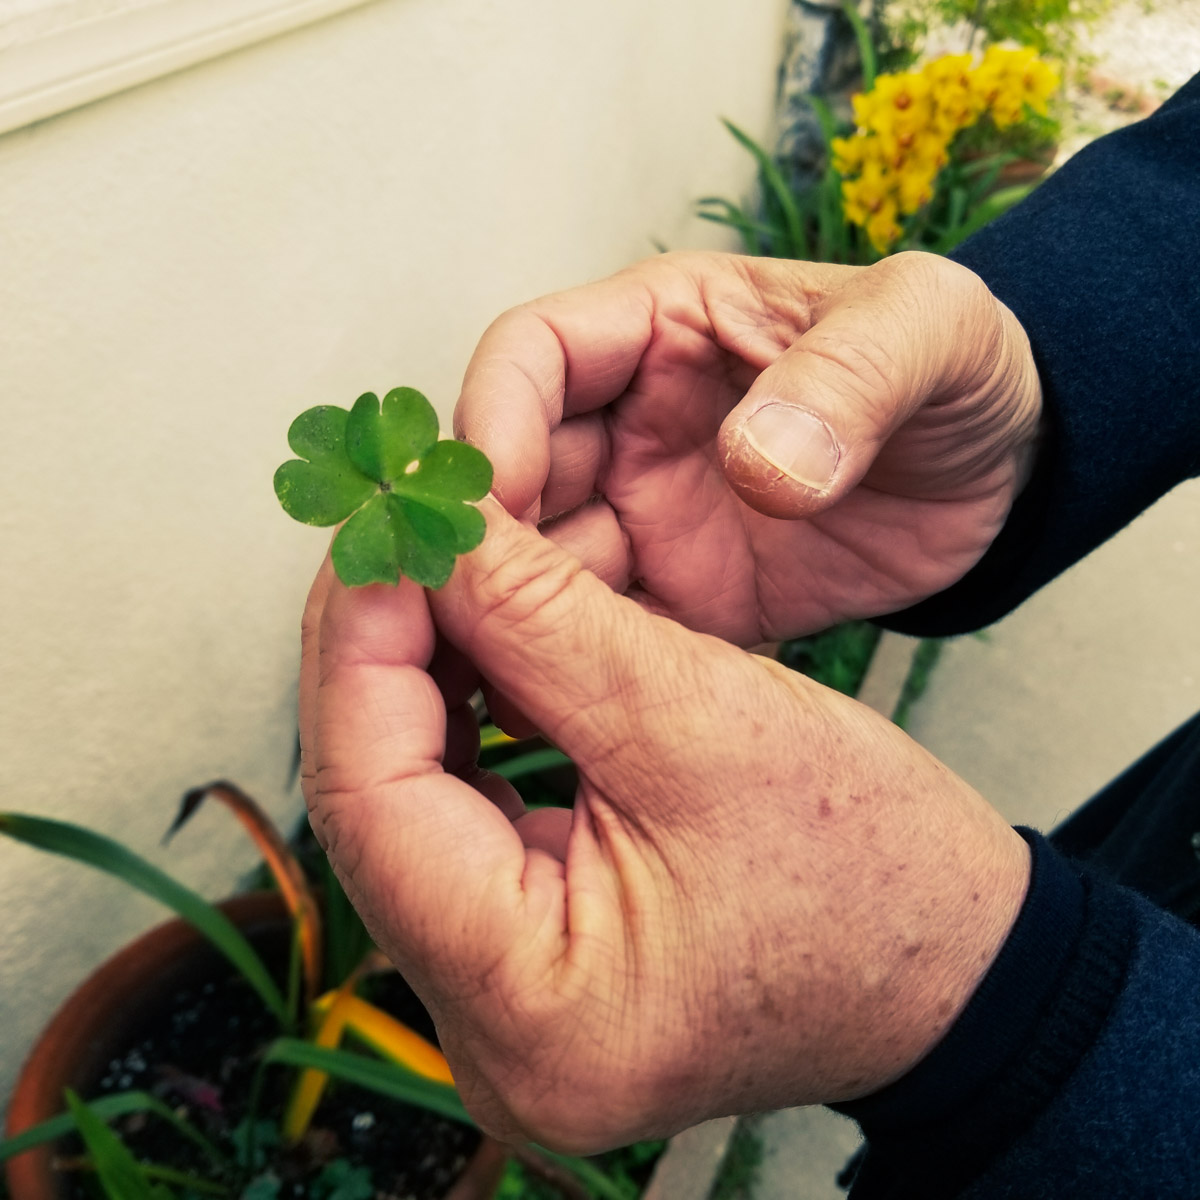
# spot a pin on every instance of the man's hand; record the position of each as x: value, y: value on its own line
x: 761, y: 448
x: 766, y: 895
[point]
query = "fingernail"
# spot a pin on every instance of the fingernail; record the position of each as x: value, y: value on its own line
x: 795, y: 441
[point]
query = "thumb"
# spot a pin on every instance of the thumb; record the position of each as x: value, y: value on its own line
x: 879, y: 347
x: 571, y: 654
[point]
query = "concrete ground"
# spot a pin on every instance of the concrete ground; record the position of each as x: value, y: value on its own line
x: 1084, y: 677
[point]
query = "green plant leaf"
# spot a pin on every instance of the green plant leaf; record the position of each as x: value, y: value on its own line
x: 338, y: 1180
x: 591, y: 1176
x: 526, y: 764
x: 119, y: 1173
x: 386, y: 1078
x: 409, y: 497
x: 192, y: 1185
x: 117, y: 1105
x: 383, y: 440
x: 866, y: 47
x: 73, y: 841
x: 390, y: 1079
x: 279, y: 859
x: 322, y: 487
x: 265, y: 1187
x: 253, y: 1140
x: 989, y: 209
x: 776, y: 193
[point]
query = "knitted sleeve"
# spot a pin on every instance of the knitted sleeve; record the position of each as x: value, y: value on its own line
x: 1074, y: 1071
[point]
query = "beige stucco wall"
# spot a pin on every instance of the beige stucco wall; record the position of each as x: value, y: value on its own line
x: 185, y: 266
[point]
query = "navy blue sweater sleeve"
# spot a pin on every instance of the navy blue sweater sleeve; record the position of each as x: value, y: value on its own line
x: 1100, y: 265
x: 1074, y: 1072
x: 1075, y: 1069
x: 1126, y: 1123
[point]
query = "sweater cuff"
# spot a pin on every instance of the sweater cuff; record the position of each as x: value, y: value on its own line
x: 1029, y: 1023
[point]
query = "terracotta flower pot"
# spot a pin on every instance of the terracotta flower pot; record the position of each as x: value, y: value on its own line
x: 105, y: 1014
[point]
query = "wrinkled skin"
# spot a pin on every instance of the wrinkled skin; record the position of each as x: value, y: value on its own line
x: 766, y: 895
x: 620, y: 408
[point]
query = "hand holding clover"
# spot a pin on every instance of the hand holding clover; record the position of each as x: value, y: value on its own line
x: 765, y: 894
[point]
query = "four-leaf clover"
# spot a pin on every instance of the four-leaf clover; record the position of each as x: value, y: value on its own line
x: 407, y: 494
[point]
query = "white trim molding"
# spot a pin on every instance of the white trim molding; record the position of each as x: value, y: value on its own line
x: 58, y: 54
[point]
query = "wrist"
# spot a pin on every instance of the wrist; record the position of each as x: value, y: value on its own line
x: 940, y: 942
x: 1031, y: 1024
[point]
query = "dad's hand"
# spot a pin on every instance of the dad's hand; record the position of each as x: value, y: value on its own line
x: 671, y: 415
x: 766, y: 895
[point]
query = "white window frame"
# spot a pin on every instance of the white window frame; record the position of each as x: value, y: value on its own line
x: 58, y: 54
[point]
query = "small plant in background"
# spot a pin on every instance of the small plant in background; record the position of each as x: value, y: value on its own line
x: 242, y: 1141
x: 738, y: 1176
x: 906, y: 127
x: 628, y: 1167
x: 1051, y: 27
x: 310, y: 1022
x: 903, y: 178
x: 838, y: 657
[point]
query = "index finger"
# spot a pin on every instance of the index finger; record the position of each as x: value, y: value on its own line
x: 551, y: 359
x: 417, y: 849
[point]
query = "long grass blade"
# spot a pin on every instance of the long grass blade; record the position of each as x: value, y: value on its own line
x: 756, y: 234
x: 831, y: 221
x: 183, y: 1179
x: 990, y: 165
x: 866, y: 47
x: 281, y: 862
x: 346, y: 938
x: 385, y: 1078
x: 735, y: 218
x: 310, y: 1085
x: 82, y: 845
x: 118, y: 1171
x: 957, y: 205
x: 119, y: 1105
x: 590, y: 1175
x: 775, y: 189
x: 526, y: 764
x: 393, y: 1040
x: 825, y: 118
x: 994, y: 206
x: 338, y: 1013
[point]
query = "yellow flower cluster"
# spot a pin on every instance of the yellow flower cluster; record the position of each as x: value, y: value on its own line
x: 905, y: 124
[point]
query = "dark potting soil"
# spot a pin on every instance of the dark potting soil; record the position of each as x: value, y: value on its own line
x: 199, y: 1055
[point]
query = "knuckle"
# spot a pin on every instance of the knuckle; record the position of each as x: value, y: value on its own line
x: 954, y: 286
x: 952, y: 313
x: 527, y: 587
x: 671, y: 260
x: 866, y: 372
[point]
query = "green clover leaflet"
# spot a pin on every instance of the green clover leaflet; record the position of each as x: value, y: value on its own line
x: 407, y: 495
